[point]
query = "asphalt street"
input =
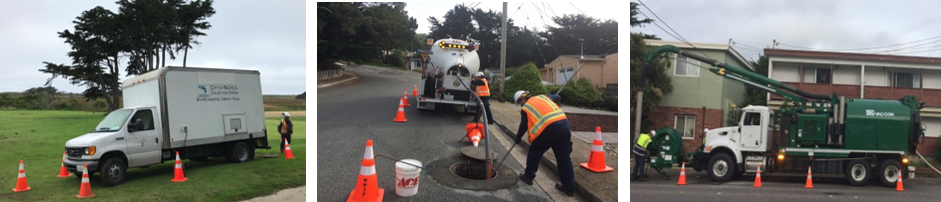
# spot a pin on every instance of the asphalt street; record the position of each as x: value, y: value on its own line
x: 776, y: 188
x: 350, y: 113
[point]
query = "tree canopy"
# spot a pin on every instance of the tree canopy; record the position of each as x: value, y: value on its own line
x: 141, y: 33
x: 362, y: 31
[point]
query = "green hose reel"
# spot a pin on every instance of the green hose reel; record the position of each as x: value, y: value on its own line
x: 665, y: 149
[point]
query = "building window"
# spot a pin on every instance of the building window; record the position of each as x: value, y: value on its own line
x: 684, y: 68
x: 686, y: 124
x: 907, y: 80
x: 816, y: 75
x: 565, y: 74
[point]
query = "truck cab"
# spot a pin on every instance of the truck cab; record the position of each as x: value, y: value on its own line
x: 736, y: 149
x: 127, y: 137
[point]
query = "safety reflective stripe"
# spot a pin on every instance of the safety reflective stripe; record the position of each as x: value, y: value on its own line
x: 539, y: 120
x: 84, y: 177
x: 537, y: 128
x: 21, y: 175
x: 369, y: 164
x: 596, y: 148
x: 483, y: 90
x: 178, y: 164
x: 639, y: 150
x: 284, y: 126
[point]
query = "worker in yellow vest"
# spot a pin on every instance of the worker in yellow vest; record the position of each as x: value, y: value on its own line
x: 286, y: 128
x: 640, y: 156
x: 482, y: 89
x: 548, y: 127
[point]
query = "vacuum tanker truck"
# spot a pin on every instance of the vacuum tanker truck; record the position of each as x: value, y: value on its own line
x: 823, y: 134
x: 451, y: 61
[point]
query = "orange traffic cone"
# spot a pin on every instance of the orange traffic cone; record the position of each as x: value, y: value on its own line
x: 400, y: 116
x: 85, y: 190
x: 758, y: 177
x: 596, y: 158
x: 898, y: 186
x: 63, y: 172
x: 474, y: 132
x: 682, y: 175
x: 178, y: 170
x: 405, y: 98
x: 367, y: 189
x: 287, y: 150
x: 415, y: 91
x: 21, y: 180
x: 810, y: 182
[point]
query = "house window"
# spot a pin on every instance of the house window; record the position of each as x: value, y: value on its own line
x: 565, y: 74
x: 816, y: 75
x: 684, y: 68
x: 686, y: 124
x: 907, y: 80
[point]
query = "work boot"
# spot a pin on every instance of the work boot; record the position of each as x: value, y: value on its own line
x: 559, y: 187
x: 527, y: 181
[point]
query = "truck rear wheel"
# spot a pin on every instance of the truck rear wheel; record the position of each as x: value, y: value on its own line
x: 889, y: 172
x: 721, y: 167
x: 237, y: 153
x: 113, y: 172
x: 857, y: 172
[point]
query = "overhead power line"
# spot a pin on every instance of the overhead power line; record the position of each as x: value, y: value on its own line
x: 678, y: 36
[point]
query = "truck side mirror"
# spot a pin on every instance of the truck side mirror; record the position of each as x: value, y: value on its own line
x: 135, y: 125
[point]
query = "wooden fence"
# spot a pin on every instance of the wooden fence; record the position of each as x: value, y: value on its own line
x: 328, y: 74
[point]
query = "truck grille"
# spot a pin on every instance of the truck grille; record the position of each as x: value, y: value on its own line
x: 74, y: 152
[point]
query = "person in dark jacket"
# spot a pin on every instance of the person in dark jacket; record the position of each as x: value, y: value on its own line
x: 482, y: 88
x: 548, y: 127
x: 286, y: 128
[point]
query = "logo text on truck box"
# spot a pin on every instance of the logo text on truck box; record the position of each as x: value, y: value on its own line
x: 217, y: 92
x: 872, y: 112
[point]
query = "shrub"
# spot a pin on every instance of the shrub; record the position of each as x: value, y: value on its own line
x: 580, y: 93
x: 526, y: 79
x: 609, y: 102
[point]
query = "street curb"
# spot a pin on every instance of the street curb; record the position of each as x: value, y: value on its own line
x: 338, y: 82
x: 549, y: 163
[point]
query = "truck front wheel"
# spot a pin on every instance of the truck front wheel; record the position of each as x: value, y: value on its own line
x: 238, y: 153
x: 889, y: 172
x: 721, y: 167
x: 113, y: 172
x: 857, y: 172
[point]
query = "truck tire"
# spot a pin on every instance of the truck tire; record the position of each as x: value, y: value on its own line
x: 237, y: 153
x: 889, y: 172
x: 113, y: 172
x: 857, y: 172
x: 721, y: 168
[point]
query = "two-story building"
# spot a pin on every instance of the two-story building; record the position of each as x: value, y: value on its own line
x: 869, y: 76
x: 700, y: 99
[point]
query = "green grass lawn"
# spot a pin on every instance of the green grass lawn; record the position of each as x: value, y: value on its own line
x: 38, y: 138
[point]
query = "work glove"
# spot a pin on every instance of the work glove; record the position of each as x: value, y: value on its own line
x: 518, y: 140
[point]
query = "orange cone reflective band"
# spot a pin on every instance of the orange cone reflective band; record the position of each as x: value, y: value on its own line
x: 596, y: 157
x: 63, y: 172
x: 405, y: 98
x: 474, y: 131
x: 21, y: 185
x: 810, y: 183
x: 178, y: 170
x: 415, y: 91
x: 367, y: 189
x: 287, y: 150
x: 682, y: 180
x: 85, y: 190
x: 400, y: 115
x: 758, y: 177
x: 898, y: 185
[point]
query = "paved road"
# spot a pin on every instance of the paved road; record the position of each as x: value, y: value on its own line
x: 350, y: 113
x: 776, y: 188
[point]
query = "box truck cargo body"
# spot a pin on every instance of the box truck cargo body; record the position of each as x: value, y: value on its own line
x: 198, y: 112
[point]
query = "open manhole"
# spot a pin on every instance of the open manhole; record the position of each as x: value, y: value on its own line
x: 474, y: 170
x: 477, y: 153
x: 445, y: 171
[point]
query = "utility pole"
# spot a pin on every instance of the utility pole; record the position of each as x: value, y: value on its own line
x: 503, y: 51
x: 582, y: 42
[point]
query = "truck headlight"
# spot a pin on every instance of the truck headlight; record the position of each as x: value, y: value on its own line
x: 90, y: 150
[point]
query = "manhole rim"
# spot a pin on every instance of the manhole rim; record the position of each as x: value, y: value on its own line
x: 451, y: 168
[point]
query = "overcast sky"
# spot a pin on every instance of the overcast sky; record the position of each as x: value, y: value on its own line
x: 268, y: 36
x: 539, y: 13
x: 822, y: 25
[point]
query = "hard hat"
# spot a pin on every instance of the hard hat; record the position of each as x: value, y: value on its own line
x: 478, y: 74
x: 518, y: 94
x: 653, y: 132
x: 286, y: 114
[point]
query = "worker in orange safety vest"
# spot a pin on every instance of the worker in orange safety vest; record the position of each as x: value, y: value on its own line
x: 285, y: 128
x: 482, y: 89
x: 548, y: 127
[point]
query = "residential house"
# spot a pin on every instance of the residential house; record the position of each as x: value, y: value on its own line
x: 601, y: 70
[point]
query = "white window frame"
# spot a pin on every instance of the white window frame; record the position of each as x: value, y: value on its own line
x: 916, y: 80
x: 677, y: 61
x: 686, y: 122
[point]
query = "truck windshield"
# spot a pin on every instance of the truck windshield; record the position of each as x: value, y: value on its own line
x: 113, y: 121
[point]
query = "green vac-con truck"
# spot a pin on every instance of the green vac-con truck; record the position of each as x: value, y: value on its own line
x: 828, y: 134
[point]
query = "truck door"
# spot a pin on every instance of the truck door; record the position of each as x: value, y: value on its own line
x: 751, y: 130
x: 143, y: 144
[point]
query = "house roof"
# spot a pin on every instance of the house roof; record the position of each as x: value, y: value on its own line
x: 852, y: 56
x: 587, y: 57
x: 703, y: 46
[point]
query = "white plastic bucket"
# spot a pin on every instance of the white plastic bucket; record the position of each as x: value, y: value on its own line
x: 406, y: 177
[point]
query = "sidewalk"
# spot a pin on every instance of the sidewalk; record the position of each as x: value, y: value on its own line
x: 594, y: 186
x: 347, y: 76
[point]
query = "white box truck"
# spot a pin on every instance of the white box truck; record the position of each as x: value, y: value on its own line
x: 198, y: 112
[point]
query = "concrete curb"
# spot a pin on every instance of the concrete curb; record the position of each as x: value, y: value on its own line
x: 551, y: 164
x: 319, y: 86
